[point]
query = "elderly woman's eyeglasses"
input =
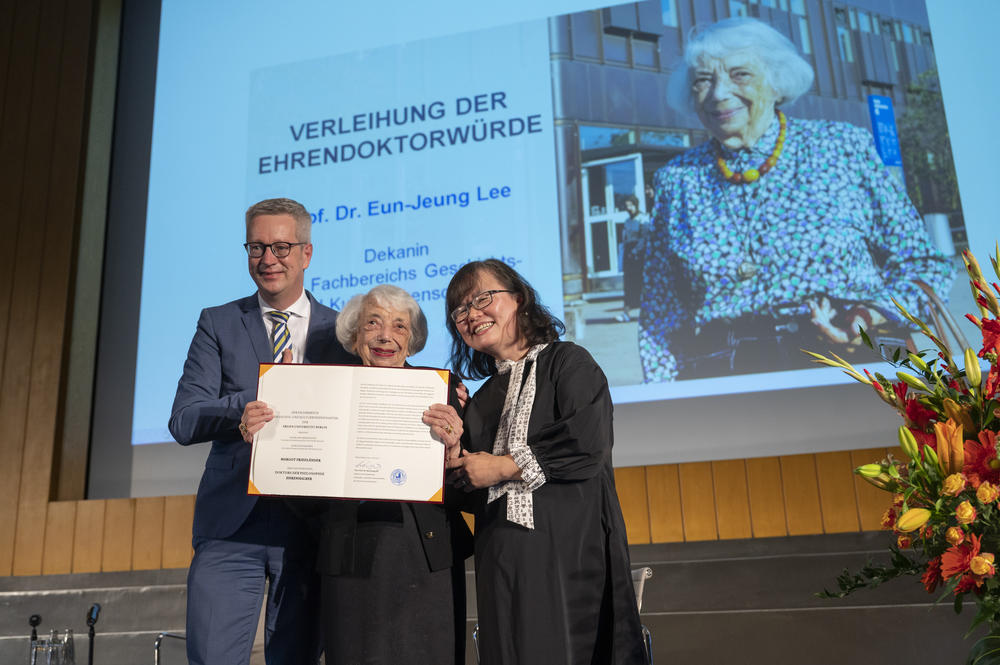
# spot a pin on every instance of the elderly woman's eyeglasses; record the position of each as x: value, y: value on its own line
x: 479, y: 301
x: 279, y: 249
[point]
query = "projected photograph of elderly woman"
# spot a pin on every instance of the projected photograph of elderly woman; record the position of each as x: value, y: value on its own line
x: 778, y: 233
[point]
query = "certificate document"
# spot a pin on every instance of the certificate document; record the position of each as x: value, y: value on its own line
x: 349, y: 432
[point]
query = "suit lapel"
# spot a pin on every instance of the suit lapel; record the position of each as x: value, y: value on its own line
x: 254, y: 325
x: 322, y: 324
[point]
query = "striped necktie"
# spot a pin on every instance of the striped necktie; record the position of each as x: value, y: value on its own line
x: 280, y: 339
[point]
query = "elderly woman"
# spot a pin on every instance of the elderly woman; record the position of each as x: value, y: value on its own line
x: 394, y: 573
x: 552, y: 565
x: 777, y: 233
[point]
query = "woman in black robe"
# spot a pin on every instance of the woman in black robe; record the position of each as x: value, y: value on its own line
x: 393, y: 573
x: 553, y: 580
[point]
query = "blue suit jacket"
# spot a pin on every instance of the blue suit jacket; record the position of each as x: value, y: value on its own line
x: 220, y: 377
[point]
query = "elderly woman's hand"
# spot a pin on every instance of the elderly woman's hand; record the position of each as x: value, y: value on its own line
x: 473, y: 471
x: 256, y: 414
x: 823, y: 314
x: 447, y: 425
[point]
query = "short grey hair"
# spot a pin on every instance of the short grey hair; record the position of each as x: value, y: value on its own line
x: 787, y: 72
x: 389, y: 297
x: 298, y: 212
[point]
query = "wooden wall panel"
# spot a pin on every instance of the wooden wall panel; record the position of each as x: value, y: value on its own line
x: 147, y: 534
x: 666, y: 520
x: 767, y: 497
x: 6, y: 37
x: 88, y: 536
x: 836, y: 491
x: 802, y: 509
x: 27, y: 279
x: 633, y: 497
x: 732, y: 501
x: 119, y: 516
x: 30, y: 538
x: 14, y: 359
x: 697, y: 501
x: 57, y: 559
x: 58, y: 201
x: 178, y: 516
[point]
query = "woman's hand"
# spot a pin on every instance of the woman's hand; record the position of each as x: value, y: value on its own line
x: 473, y: 471
x: 823, y: 314
x: 256, y: 414
x: 447, y: 425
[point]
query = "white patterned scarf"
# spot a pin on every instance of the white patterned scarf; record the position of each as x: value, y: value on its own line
x: 512, y: 439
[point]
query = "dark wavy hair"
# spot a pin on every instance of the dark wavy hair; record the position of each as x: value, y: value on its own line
x: 535, y: 323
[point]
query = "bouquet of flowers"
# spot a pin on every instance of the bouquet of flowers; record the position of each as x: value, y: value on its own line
x: 945, y: 510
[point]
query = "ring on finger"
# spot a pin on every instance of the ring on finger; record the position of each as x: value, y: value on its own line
x: 243, y: 428
x: 448, y: 429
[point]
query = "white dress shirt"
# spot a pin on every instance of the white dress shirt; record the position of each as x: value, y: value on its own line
x: 298, y: 324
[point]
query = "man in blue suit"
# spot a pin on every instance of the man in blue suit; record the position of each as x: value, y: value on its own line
x: 242, y: 540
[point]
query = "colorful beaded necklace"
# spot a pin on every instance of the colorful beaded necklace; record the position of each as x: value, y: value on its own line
x: 752, y: 175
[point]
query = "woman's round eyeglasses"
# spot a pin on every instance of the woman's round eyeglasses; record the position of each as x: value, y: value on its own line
x: 479, y: 301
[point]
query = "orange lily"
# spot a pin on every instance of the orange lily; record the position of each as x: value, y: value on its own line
x: 950, y: 446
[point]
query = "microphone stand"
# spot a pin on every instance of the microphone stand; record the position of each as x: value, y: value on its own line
x: 92, y: 614
x: 33, y: 621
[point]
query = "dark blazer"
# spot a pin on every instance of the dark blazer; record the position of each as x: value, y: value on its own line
x: 445, y: 536
x: 220, y: 377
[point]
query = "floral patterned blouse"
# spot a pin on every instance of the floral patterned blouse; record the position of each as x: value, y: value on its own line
x: 828, y: 220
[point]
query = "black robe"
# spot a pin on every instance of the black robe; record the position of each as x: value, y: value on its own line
x: 393, y: 576
x: 561, y: 592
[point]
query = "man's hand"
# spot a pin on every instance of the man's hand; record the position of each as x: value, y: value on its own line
x: 256, y: 414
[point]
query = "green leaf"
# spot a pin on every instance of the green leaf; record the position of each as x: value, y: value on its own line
x: 985, y: 651
x: 872, y: 575
x: 865, y: 338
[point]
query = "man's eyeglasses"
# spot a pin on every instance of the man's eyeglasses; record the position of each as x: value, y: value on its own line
x: 479, y: 301
x: 279, y: 249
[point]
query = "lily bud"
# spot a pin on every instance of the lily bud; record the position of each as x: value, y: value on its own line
x: 908, y: 443
x: 869, y: 470
x: 972, y: 266
x: 918, y: 361
x: 912, y: 519
x: 931, y: 456
x: 912, y: 381
x: 972, y: 370
x: 883, y: 481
